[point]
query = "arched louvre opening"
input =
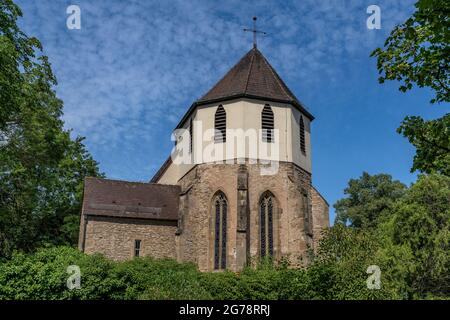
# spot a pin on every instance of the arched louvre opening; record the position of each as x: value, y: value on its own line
x: 220, y: 125
x: 302, y: 136
x: 220, y: 231
x: 266, y: 209
x: 267, y: 124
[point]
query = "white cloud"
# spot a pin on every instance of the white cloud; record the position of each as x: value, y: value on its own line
x: 136, y: 66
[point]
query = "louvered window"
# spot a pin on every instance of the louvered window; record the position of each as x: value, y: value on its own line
x: 220, y: 125
x: 267, y: 124
x: 302, y: 136
x: 266, y: 208
x: 220, y: 231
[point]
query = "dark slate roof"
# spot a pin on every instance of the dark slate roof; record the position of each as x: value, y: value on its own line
x: 252, y: 77
x: 114, y: 198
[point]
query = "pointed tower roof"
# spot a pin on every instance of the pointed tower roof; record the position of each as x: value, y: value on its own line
x: 252, y: 77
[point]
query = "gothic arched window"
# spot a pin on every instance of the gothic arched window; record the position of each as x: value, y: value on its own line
x: 267, y: 124
x: 266, y: 211
x: 220, y: 125
x: 220, y: 207
x: 302, y: 136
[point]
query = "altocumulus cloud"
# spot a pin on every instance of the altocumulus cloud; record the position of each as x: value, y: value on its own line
x: 135, y: 66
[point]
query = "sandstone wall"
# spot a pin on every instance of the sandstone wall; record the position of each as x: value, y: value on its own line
x: 293, y: 231
x: 115, y: 237
x: 299, y: 216
x: 320, y: 212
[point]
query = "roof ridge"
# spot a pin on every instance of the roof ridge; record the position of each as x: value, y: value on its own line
x: 277, y: 78
x: 225, y: 75
x: 250, y: 69
x: 129, y: 182
x: 252, y: 77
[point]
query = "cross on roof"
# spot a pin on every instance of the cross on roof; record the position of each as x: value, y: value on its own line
x: 255, y: 31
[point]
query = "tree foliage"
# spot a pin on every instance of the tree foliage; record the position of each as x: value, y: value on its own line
x: 43, y: 275
x: 41, y: 167
x: 418, y: 51
x: 369, y: 199
x: 404, y: 231
x: 411, y: 244
x: 421, y: 221
x: 432, y: 142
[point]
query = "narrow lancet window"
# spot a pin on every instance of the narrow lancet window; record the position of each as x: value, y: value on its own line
x: 266, y: 208
x: 220, y: 231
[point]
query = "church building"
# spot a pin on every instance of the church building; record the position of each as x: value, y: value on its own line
x: 247, y: 194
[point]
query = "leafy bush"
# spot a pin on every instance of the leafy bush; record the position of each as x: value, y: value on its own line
x: 43, y: 276
x: 148, y: 278
x: 410, y: 245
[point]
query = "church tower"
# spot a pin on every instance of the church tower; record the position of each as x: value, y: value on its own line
x: 236, y: 188
x: 242, y: 160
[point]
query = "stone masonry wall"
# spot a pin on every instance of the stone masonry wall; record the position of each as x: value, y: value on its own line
x: 288, y: 185
x: 299, y: 216
x: 114, y: 237
x: 321, y: 219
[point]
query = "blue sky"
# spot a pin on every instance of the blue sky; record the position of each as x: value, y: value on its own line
x: 134, y: 68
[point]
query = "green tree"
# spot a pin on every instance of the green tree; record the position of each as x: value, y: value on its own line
x: 369, y: 198
x: 410, y: 244
x: 421, y: 222
x: 418, y: 52
x: 41, y: 167
x: 432, y: 142
x: 340, y: 266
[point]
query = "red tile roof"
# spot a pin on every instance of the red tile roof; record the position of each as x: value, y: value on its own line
x: 114, y: 198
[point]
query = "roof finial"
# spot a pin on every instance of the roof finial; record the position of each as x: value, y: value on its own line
x: 254, y: 32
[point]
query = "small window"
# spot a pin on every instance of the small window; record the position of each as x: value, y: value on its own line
x: 302, y: 136
x: 267, y: 124
x: 137, y: 248
x: 220, y: 125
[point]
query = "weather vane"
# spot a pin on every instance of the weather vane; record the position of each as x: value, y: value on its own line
x: 255, y: 31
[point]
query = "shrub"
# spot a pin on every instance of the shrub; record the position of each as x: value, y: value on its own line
x: 148, y: 278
